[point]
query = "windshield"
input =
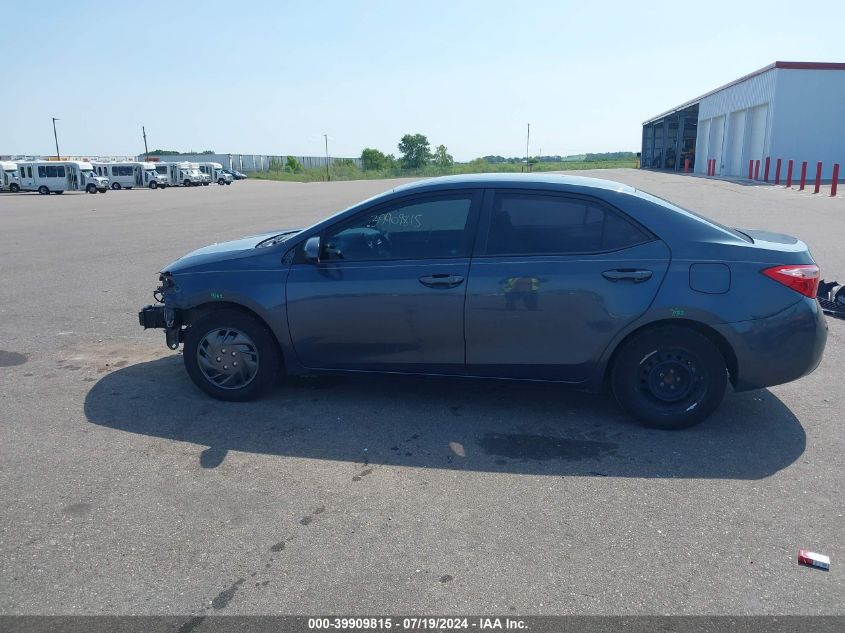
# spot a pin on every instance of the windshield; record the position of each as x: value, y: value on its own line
x: 12, y: 172
x: 89, y: 174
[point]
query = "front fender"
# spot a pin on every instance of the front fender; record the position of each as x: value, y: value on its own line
x: 262, y: 292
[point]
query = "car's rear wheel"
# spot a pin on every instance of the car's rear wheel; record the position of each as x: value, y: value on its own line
x: 231, y: 355
x: 670, y: 377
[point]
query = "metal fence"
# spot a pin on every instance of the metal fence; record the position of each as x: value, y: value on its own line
x: 252, y: 162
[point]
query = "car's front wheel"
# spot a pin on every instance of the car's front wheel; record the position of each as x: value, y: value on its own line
x: 669, y: 377
x: 231, y: 355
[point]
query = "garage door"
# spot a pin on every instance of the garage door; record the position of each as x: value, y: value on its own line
x: 757, y: 141
x: 736, y: 138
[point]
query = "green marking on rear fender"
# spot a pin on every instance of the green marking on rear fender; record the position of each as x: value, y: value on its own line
x: 677, y: 312
x: 216, y: 295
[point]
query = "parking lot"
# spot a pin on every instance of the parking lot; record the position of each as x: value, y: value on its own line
x: 125, y: 490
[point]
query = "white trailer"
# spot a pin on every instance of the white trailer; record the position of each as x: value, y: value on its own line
x: 180, y: 174
x: 54, y: 176
x: 9, y: 179
x: 216, y: 173
x: 128, y: 174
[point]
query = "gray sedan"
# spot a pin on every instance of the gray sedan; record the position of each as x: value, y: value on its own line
x: 579, y: 281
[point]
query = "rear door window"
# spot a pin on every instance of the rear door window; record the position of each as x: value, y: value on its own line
x: 551, y: 224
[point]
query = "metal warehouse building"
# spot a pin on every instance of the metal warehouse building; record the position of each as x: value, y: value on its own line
x: 787, y: 110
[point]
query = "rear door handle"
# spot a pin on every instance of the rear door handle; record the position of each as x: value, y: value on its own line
x: 441, y: 280
x: 627, y: 274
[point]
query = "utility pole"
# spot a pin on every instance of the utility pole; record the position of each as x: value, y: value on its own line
x: 328, y: 176
x: 527, y: 139
x: 146, y: 149
x: 56, y: 136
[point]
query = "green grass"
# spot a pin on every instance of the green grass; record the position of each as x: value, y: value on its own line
x: 350, y: 172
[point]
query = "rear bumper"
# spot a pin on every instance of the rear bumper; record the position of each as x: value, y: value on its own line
x: 779, y: 348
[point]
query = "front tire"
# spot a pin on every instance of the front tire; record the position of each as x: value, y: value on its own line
x: 14, y: 188
x: 153, y: 185
x: 669, y: 377
x: 187, y: 183
x: 91, y: 188
x: 231, y: 355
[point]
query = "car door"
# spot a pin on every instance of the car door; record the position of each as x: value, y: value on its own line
x: 387, y: 293
x: 554, y: 278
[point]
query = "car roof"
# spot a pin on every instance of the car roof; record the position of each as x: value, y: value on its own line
x: 511, y: 180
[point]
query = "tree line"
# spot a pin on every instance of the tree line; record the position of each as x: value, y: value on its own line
x: 415, y: 153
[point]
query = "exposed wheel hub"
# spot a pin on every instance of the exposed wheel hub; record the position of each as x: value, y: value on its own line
x: 670, y: 376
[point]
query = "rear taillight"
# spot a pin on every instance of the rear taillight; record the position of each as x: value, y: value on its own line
x: 803, y: 278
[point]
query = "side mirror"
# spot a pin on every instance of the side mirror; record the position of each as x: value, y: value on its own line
x: 312, y: 249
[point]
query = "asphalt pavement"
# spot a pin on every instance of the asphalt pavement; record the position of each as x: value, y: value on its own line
x: 126, y: 490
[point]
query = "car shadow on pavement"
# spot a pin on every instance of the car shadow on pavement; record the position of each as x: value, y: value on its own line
x: 481, y: 425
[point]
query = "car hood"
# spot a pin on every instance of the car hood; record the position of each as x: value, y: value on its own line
x: 223, y: 251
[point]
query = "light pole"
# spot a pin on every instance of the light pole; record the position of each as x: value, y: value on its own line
x: 56, y: 136
x: 328, y: 176
x: 146, y: 149
x: 527, y: 139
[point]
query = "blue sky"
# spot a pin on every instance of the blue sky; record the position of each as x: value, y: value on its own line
x: 272, y: 77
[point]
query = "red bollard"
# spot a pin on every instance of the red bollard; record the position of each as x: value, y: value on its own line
x: 686, y: 165
x: 803, y: 175
x: 789, y: 174
x: 835, y: 182
x: 750, y: 169
x: 777, y: 172
x: 756, y: 170
x: 766, y: 171
x: 818, y: 177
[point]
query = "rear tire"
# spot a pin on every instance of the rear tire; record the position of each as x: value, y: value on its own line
x: 44, y: 190
x: 232, y: 337
x: 669, y: 377
x: 115, y: 186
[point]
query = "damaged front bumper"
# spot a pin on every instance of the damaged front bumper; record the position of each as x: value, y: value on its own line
x: 831, y: 297
x: 162, y: 316
x: 165, y: 318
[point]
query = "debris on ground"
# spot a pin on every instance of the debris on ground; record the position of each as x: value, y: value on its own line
x: 811, y: 559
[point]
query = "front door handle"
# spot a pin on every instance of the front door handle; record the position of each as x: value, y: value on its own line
x: 441, y: 280
x: 627, y: 274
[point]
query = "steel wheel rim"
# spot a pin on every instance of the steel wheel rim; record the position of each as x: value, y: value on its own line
x: 671, y: 376
x: 228, y: 358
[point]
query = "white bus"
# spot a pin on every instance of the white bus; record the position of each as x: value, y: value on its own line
x: 9, y: 180
x: 53, y: 176
x: 216, y: 173
x: 128, y: 174
x: 180, y: 174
